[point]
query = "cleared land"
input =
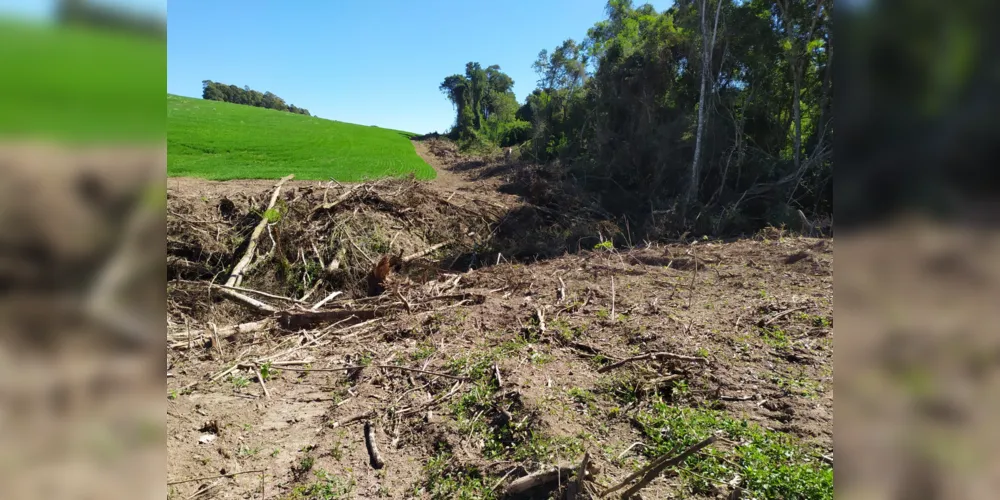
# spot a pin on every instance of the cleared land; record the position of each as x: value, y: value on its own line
x: 473, y: 371
x: 220, y: 141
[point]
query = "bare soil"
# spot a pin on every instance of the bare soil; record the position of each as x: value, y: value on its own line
x: 480, y: 361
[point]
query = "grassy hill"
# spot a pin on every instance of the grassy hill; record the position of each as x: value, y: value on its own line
x: 80, y: 84
x: 218, y: 140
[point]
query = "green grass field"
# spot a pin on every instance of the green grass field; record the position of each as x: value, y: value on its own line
x: 220, y: 141
x: 80, y: 84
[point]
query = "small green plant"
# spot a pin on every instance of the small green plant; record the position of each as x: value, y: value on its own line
x: 540, y: 358
x: 326, y: 487
x: 603, y: 314
x: 444, y: 480
x: 337, y: 452
x: 800, y: 385
x: 584, y: 398
x: 172, y: 394
x: 246, y: 451
x: 266, y: 372
x: 605, y: 245
x: 701, y: 352
x: 272, y: 215
x: 599, y: 360
x: 564, y: 330
x: 366, y: 359
x: 775, y: 337
x: 275, y: 452
x: 305, y: 465
x: 423, y: 352
x: 239, y: 381
x: 773, y: 465
x: 622, y: 388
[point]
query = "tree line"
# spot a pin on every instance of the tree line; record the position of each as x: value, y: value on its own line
x: 98, y: 15
x: 713, y: 115
x: 215, y: 91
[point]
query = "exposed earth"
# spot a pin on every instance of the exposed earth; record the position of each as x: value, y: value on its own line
x: 490, y: 357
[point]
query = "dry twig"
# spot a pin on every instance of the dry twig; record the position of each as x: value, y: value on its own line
x: 655, y: 356
x: 542, y: 477
x: 326, y: 299
x: 260, y: 377
x: 776, y: 316
x: 248, y: 301
x: 355, y: 418
x: 654, y: 468
x: 424, y: 252
x: 205, y: 478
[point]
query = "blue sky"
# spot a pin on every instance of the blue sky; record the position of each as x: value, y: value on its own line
x: 43, y: 9
x: 371, y: 62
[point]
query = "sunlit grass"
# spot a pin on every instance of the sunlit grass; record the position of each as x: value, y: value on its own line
x: 218, y: 140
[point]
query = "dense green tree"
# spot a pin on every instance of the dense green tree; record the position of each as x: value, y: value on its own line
x: 485, y: 105
x: 714, y: 114
x: 216, y: 91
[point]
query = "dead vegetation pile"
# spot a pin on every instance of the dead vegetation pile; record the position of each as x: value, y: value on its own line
x: 310, y: 242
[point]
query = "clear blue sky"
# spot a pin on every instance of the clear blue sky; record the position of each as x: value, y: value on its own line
x: 43, y: 9
x: 372, y: 62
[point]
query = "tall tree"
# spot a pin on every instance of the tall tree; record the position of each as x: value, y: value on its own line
x: 706, y: 67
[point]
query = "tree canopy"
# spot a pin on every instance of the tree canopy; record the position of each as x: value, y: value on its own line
x: 215, y: 91
x: 715, y: 115
x: 485, y: 105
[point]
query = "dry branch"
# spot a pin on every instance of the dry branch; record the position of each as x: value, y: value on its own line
x: 774, y: 317
x: 355, y: 418
x: 435, y: 401
x: 340, y: 199
x: 226, y: 333
x: 540, y: 478
x: 655, y: 356
x: 248, y: 301
x: 392, y: 367
x: 326, y: 299
x: 252, y: 245
x: 376, y: 458
x: 417, y: 370
x: 613, y: 299
x: 424, y: 252
x: 206, y: 478
x: 260, y: 377
x: 304, y: 320
x: 658, y: 466
x: 258, y: 292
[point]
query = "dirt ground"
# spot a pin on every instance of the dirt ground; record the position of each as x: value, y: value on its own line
x: 477, y: 366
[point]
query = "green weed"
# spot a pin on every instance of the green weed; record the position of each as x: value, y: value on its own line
x: 325, y: 487
x: 773, y: 465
